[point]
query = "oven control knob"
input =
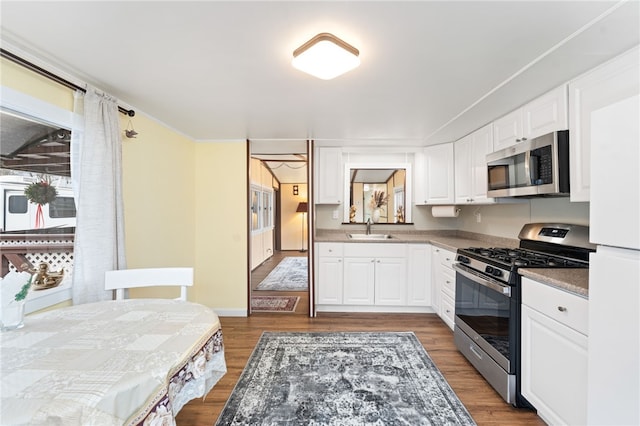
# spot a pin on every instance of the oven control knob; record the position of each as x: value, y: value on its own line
x: 496, y: 272
x: 489, y: 269
x: 463, y: 259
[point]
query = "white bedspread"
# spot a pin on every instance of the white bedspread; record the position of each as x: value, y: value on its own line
x: 136, y: 361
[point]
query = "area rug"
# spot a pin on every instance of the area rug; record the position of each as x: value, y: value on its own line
x: 274, y: 303
x: 342, y: 379
x: 291, y: 274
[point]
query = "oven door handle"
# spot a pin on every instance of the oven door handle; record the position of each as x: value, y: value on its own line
x: 477, y: 278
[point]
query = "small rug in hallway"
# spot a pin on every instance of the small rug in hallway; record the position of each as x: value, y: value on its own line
x: 274, y: 303
x: 342, y: 379
x: 291, y: 274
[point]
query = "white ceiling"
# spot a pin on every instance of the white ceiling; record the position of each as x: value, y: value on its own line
x: 431, y: 71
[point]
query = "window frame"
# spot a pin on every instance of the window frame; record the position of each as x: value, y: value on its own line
x: 45, y: 112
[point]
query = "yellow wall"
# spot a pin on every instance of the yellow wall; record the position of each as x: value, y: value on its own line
x: 159, y: 199
x: 221, y: 226
x: 18, y: 78
x: 185, y: 203
x: 291, y: 222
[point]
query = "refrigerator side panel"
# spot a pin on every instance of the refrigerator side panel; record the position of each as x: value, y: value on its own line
x: 615, y: 175
x: 613, y: 389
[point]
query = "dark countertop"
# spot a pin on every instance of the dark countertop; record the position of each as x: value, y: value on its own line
x: 571, y: 280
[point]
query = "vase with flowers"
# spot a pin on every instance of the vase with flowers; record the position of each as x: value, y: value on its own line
x: 377, y: 201
x: 15, y: 287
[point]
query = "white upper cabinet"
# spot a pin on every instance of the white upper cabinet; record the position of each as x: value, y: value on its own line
x: 329, y: 185
x: 603, y: 86
x: 434, y: 175
x: 471, y: 166
x: 546, y: 114
x: 543, y: 115
x: 507, y: 130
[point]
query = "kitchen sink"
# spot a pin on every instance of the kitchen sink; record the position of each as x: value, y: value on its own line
x: 369, y: 236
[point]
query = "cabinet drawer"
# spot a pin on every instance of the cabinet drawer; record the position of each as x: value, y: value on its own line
x: 564, y: 307
x: 375, y: 250
x: 447, y: 310
x: 330, y: 249
x: 447, y: 258
x: 448, y: 278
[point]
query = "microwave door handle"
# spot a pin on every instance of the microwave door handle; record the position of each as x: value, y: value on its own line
x: 527, y: 166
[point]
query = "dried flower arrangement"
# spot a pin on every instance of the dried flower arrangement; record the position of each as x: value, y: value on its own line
x: 378, y: 199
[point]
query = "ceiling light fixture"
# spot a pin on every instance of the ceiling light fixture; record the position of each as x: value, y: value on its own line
x: 325, y: 56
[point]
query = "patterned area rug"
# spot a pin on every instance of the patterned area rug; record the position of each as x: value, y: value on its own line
x: 342, y: 379
x: 291, y: 274
x: 274, y: 303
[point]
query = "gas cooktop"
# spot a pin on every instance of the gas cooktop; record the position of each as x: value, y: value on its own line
x: 516, y: 257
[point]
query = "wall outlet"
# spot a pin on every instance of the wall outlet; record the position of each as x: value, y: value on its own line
x: 478, y: 217
x: 335, y: 214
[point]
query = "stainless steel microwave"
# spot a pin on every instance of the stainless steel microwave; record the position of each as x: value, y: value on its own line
x: 538, y: 166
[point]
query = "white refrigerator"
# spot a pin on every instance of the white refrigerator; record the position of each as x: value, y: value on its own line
x: 613, y: 382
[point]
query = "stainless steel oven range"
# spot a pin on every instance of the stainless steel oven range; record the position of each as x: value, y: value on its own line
x: 487, y: 305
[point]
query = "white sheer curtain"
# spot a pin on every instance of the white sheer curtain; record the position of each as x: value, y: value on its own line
x: 96, y: 171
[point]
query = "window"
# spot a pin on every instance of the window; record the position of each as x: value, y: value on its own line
x: 62, y: 207
x: 17, y: 204
x: 36, y: 146
x: 261, y: 209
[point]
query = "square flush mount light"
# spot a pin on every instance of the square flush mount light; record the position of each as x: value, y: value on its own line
x: 325, y: 56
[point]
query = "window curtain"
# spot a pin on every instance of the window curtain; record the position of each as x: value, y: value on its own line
x: 96, y: 172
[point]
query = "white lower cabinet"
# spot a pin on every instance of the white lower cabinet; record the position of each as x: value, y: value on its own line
x: 444, y: 284
x: 330, y: 272
x: 419, y: 275
x: 374, y: 277
x: 554, y: 353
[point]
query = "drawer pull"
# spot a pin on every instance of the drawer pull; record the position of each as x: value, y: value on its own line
x: 562, y: 309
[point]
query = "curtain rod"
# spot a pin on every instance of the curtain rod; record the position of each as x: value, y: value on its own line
x: 33, y: 67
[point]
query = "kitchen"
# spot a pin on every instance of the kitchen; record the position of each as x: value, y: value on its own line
x: 211, y: 163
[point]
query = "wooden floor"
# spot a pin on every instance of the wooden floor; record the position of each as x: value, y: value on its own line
x: 261, y: 272
x: 242, y: 334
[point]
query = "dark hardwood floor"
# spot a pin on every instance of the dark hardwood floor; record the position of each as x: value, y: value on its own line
x: 261, y: 272
x: 242, y: 334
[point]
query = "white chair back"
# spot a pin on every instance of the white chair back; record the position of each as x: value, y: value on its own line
x: 148, y: 277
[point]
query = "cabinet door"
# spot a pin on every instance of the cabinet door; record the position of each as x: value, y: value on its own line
x: 463, y: 149
x: 436, y: 270
x: 358, y: 282
x: 554, y: 369
x: 391, y: 281
x: 329, y: 287
x: 507, y: 130
x: 605, y: 85
x: 439, y: 168
x: 546, y: 114
x: 419, y: 275
x: 482, y: 145
x: 329, y: 183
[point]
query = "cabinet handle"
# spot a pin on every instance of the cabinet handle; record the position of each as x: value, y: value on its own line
x: 448, y: 260
x: 524, y: 139
x: 373, y: 260
x: 518, y: 140
x: 562, y: 309
x: 339, y: 260
x: 448, y: 282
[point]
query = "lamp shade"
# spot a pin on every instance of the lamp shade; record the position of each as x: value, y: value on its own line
x: 325, y: 56
x: 302, y: 208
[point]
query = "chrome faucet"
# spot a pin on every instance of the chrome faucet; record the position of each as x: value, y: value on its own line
x: 368, y: 226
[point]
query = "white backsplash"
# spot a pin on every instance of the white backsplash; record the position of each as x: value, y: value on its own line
x: 500, y: 220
